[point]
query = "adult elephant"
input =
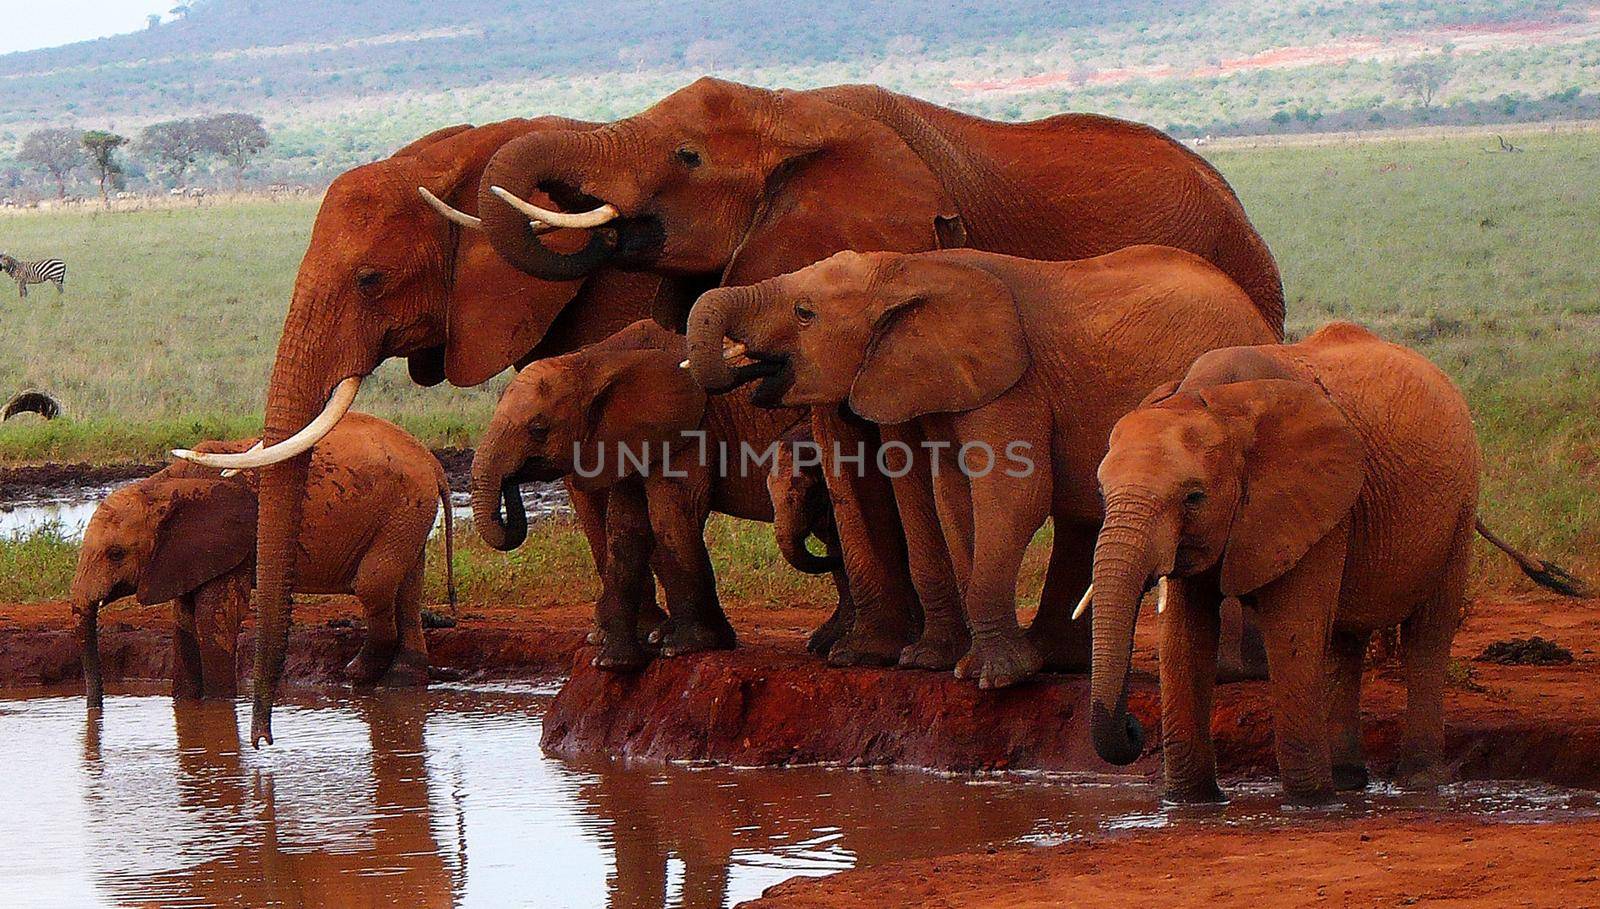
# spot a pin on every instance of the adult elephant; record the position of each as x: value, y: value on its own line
x: 386, y: 275
x: 743, y: 184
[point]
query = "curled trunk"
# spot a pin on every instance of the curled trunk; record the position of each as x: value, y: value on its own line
x: 718, y: 314
x: 1121, y: 567
x: 791, y: 536
x: 520, y: 167
x: 492, y: 486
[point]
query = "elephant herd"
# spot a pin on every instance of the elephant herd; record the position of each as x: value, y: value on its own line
x: 934, y: 332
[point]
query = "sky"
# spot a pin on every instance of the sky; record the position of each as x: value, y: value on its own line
x: 28, y: 24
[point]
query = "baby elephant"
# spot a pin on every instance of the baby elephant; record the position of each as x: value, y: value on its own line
x: 622, y: 417
x: 1331, y: 485
x: 187, y: 534
x: 996, y: 381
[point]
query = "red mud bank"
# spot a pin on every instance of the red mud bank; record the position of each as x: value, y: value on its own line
x: 1389, y: 862
x: 770, y: 703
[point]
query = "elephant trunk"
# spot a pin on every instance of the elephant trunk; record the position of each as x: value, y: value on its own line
x: 94, y: 689
x: 1121, y: 568
x: 791, y: 529
x: 492, y: 485
x: 723, y: 312
x: 519, y: 168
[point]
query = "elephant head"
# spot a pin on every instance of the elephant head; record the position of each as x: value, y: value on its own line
x: 157, y: 539
x: 801, y: 507
x: 715, y: 179
x: 1238, y: 479
x: 390, y: 272
x: 894, y: 336
x: 580, y: 416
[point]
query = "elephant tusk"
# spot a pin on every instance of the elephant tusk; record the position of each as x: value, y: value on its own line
x: 234, y: 470
x: 731, y: 352
x: 1161, y: 595
x: 1083, y: 604
x: 451, y: 213
x: 344, y: 394
x: 555, y: 219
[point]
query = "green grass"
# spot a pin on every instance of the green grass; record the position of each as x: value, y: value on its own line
x: 36, y: 567
x: 1483, y: 261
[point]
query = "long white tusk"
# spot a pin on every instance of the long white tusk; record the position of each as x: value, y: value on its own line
x: 732, y: 352
x: 450, y: 212
x: 344, y: 394
x: 232, y: 470
x: 1161, y: 595
x: 580, y: 221
x: 1083, y: 604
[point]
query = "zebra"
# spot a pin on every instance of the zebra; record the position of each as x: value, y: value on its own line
x: 25, y: 273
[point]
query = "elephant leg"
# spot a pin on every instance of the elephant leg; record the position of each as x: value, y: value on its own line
x: 695, y: 620
x: 590, y: 508
x: 1005, y: 513
x: 1346, y: 652
x: 1425, y: 646
x: 409, y: 667
x: 377, y: 586
x: 219, y: 609
x: 1296, y: 617
x: 188, y: 679
x: 1241, y: 657
x: 887, y: 616
x: 944, y: 637
x: 1063, y: 643
x: 627, y: 579
x: 844, y: 613
x: 1189, y: 628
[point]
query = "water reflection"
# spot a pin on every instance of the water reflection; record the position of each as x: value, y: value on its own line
x: 444, y: 799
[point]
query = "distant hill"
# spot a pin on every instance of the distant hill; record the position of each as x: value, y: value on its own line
x: 342, y: 81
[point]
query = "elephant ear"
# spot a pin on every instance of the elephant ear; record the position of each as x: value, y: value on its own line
x: 1227, y: 365
x: 209, y: 529
x: 642, y: 397
x: 946, y: 337
x: 1303, y: 469
x: 495, y: 313
x: 844, y: 182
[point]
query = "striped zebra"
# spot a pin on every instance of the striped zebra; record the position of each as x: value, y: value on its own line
x: 25, y: 273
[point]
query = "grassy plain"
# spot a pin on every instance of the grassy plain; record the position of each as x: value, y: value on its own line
x: 1482, y: 259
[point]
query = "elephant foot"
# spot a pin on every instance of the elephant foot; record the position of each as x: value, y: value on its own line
x: 1205, y: 793
x: 829, y: 633
x: 1419, y: 774
x: 866, y: 649
x: 999, y: 659
x: 1308, y: 798
x: 1062, y: 644
x: 936, y: 652
x: 369, y: 663
x: 408, y: 669
x: 621, y: 654
x: 187, y: 689
x: 1350, y: 777
x: 678, y: 638
x: 650, y: 619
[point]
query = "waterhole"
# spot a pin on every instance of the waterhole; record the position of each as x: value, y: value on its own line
x: 443, y: 798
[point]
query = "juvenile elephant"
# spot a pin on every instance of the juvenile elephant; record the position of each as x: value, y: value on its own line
x: 622, y: 418
x: 999, y: 380
x: 735, y: 184
x: 188, y: 534
x: 1332, y: 485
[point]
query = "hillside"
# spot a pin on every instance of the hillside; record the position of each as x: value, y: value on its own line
x: 340, y: 81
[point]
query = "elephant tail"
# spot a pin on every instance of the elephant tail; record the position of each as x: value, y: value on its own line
x: 1544, y: 573
x: 449, y: 545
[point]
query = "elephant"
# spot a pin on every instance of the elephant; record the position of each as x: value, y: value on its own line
x: 655, y: 446
x: 958, y: 353
x: 394, y: 272
x: 187, y: 534
x: 1332, y: 486
x: 736, y: 184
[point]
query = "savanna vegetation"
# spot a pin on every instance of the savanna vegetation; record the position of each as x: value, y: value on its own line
x: 1479, y: 257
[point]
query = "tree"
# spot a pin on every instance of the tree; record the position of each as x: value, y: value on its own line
x: 57, y: 151
x: 1423, y: 78
x: 235, y: 138
x: 102, y: 148
x: 152, y: 20
x: 173, y: 145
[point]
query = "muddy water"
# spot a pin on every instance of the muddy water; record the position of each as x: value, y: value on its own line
x: 444, y: 799
x: 66, y: 511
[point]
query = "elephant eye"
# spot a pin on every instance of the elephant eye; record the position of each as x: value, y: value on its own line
x: 370, y: 280
x: 805, y: 316
x: 1193, y: 499
x: 538, y: 429
x: 688, y: 157
x: 115, y: 554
